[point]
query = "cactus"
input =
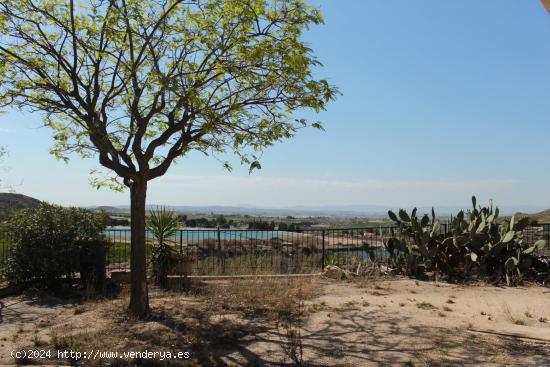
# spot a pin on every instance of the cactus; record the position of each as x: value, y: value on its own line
x: 475, y: 242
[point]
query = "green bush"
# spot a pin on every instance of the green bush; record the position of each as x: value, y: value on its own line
x: 48, y: 242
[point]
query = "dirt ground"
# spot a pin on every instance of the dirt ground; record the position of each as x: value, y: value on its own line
x: 309, y: 321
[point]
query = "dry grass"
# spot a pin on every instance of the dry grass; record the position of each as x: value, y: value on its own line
x: 511, y: 317
x: 271, y: 298
x: 217, y: 317
x: 425, y: 306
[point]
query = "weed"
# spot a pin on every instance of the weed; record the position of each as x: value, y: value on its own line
x: 293, y: 345
x: 511, y: 317
x: 276, y: 299
x: 37, y: 342
x: 425, y: 305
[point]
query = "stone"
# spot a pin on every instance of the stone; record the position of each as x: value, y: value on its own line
x: 334, y: 272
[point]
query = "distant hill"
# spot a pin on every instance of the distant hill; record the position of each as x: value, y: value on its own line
x: 111, y: 209
x: 9, y: 202
x: 540, y: 217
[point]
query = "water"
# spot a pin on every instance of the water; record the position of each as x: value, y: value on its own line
x: 207, y: 234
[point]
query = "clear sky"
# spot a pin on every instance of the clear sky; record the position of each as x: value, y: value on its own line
x: 441, y: 100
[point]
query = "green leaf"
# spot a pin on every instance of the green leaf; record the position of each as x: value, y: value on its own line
x: 539, y: 245
x: 392, y: 216
x: 318, y: 126
x: 404, y: 216
x: 508, y: 237
x: 425, y: 220
x: 510, y: 264
x: 254, y: 165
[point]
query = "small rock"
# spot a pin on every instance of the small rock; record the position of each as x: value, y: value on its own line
x: 334, y: 272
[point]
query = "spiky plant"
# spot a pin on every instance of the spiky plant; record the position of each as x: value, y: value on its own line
x: 162, y: 224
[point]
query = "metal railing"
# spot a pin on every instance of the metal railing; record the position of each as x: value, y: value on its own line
x: 233, y: 251
x: 238, y: 252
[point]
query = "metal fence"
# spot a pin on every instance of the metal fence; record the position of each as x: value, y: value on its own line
x: 233, y: 251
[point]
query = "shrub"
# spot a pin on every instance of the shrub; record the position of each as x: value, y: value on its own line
x: 47, y: 243
x: 162, y: 224
x: 93, y: 256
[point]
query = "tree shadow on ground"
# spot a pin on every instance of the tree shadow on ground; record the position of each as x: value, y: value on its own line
x: 354, y: 338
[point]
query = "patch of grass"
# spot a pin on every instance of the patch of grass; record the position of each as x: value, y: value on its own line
x: 543, y: 319
x: 273, y: 298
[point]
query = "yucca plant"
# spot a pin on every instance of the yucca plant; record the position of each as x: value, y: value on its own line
x: 162, y: 224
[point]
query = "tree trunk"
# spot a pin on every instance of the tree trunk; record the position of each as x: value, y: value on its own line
x: 139, y: 297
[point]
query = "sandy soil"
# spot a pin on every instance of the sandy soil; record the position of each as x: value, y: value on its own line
x: 419, y: 323
x: 363, y: 323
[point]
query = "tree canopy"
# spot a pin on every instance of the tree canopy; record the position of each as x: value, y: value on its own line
x: 142, y: 85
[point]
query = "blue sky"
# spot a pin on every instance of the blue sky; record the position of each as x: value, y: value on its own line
x: 441, y: 100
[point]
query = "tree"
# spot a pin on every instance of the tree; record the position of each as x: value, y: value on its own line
x: 141, y: 85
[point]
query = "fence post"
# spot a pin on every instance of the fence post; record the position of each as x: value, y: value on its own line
x: 323, y: 251
x: 181, y: 241
x: 220, y: 257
